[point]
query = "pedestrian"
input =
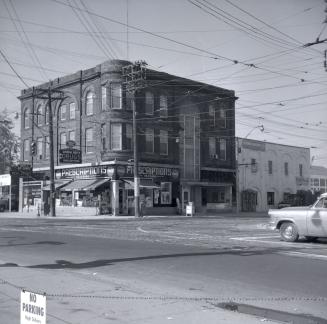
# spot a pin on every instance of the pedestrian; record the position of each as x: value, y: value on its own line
x: 142, y: 205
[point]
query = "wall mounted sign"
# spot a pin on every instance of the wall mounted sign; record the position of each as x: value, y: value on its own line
x: 70, y: 155
x: 85, y: 172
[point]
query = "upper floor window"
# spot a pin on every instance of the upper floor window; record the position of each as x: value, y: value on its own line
x: 26, y: 152
x: 63, y: 140
x: 26, y: 118
x: 116, y: 136
x: 72, y: 110
x: 222, y: 118
x: 164, y: 142
x: 286, y: 168
x: 222, y: 149
x: 103, y: 136
x: 46, y: 119
x: 104, y: 97
x: 149, y: 140
x: 301, y: 170
x: 39, y: 115
x: 47, y: 147
x: 71, y: 135
x: 63, y: 111
x: 39, y: 147
x: 253, y: 166
x: 88, y: 140
x: 163, y: 106
x: 212, y: 147
x: 115, y: 96
x: 270, y: 169
x: 149, y: 103
x: 129, y: 136
x: 89, y: 103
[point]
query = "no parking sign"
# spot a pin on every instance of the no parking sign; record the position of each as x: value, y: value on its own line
x: 32, y: 308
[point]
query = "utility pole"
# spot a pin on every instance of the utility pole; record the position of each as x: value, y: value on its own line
x: 134, y: 75
x: 46, y: 94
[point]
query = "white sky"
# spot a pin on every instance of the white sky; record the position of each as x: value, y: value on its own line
x: 286, y: 92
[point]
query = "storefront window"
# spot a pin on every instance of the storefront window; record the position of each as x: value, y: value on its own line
x: 165, y: 193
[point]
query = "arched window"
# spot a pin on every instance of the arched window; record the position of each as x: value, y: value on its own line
x: 26, y: 118
x: 39, y: 115
x: 89, y: 103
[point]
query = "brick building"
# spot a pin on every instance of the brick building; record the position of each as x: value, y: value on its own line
x: 185, y: 141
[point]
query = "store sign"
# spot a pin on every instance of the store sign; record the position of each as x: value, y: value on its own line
x: 254, y: 145
x: 85, y: 172
x: 5, y: 180
x: 149, y: 172
x: 70, y: 155
x: 32, y: 308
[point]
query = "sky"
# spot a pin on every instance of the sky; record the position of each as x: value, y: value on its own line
x: 254, y: 47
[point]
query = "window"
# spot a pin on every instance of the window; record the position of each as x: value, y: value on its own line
x: 71, y: 135
x: 212, y: 146
x: 104, y: 97
x: 116, y: 136
x: 286, y: 168
x: 212, y: 113
x: 316, y: 182
x: 72, y: 110
x: 129, y: 136
x: 222, y: 149
x: 26, y: 118
x: 39, y: 116
x: 149, y: 140
x: 116, y: 96
x: 129, y: 101
x: 149, y: 103
x: 39, y: 147
x: 254, y: 168
x: 47, y: 147
x: 322, y: 182
x: 301, y: 170
x: 103, y: 136
x: 89, y: 103
x: 270, y: 170
x: 88, y: 140
x: 222, y: 118
x: 270, y: 198
x: 26, y: 149
x: 63, y: 110
x: 164, y: 142
x: 63, y: 140
x: 165, y: 193
x: 163, y: 106
x: 47, y: 115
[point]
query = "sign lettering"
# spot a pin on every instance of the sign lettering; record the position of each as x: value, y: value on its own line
x: 32, y: 308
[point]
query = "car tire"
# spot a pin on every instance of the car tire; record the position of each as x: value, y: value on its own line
x: 289, y: 232
x: 311, y: 238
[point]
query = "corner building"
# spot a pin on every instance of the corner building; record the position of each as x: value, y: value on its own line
x: 185, y: 137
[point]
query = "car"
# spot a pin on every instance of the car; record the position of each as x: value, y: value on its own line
x: 284, y: 204
x: 308, y: 221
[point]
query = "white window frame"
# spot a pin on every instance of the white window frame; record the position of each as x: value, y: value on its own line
x: 89, y: 140
x: 116, y: 133
x: 114, y: 86
x: 26, y: 149
x: 164, y: 139
x: 149, y: 133
x: 72, y: 110
x: 149, y: 96
x: 89, y: 103
x: 63, y: 112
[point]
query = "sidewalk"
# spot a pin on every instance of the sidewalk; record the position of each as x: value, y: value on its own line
x: 91, y: 216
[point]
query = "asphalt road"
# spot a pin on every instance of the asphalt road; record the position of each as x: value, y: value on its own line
x: 189, y: 265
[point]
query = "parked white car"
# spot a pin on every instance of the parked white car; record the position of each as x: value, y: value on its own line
x: 293, y: 222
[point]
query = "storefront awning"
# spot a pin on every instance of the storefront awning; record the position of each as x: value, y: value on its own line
x: 85, y: 184
x: 144, y: 183
x: 58, y: 184
x: 206, y: 184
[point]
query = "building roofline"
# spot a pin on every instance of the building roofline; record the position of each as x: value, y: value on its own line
x: 249, y: 139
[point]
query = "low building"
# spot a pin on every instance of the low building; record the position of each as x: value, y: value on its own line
x: 318, y: 179
x: 270, y: 172
x: 185, y: 137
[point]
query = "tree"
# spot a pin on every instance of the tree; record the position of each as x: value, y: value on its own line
x: 9, y: 143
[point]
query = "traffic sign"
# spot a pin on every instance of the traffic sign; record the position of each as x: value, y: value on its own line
x: 32, y: 308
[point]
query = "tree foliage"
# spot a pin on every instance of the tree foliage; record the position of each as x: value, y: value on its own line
x: 9, y: 142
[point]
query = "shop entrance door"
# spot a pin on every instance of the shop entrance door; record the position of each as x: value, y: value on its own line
x: 186, y: 197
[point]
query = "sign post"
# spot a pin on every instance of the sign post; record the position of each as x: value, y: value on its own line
x: 32, y: 308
